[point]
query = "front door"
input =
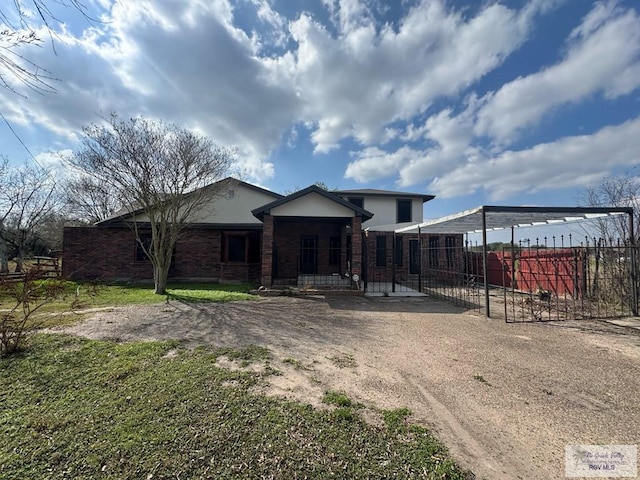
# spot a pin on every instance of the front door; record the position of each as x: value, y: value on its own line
x: 308, y: 254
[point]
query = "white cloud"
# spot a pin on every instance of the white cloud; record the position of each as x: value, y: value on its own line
x: 353, y: 78
x: 373, y: 163
x: 461, y: 162
x: 568, y: 162
x: 52, y: 161
x: 603, y: 55
x: 182, y: 62
x: 356, y: 83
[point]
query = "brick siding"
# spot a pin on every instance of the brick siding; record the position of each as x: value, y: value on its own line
x: 445, y: 264
x: 108, y: 254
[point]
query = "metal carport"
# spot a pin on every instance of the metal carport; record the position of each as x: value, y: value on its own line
x: 492, y: 217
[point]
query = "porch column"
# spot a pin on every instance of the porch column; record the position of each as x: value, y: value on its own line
x: 343, y: 250
x: 356, y: 246
x: 267, y: 250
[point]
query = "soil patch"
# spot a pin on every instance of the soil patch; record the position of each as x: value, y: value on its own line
x: 505, y: 398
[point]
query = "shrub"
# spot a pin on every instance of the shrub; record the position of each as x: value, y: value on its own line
x: 24, y: 297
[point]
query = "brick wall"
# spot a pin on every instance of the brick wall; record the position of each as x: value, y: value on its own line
x: 90, y: 253
x: 435, y: 262
x: 93, y: 253
x: 267, y: 251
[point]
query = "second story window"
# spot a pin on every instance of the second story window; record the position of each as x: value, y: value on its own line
x: 357, y: 201
x: 404, y: 211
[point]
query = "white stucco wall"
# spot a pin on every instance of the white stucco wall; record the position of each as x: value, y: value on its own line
x: 384, y: 210
x: 227, y: 208
x: 312, y: 205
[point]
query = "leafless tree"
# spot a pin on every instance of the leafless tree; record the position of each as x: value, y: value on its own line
x: 4, y: 177
x: 162, y: 173
x: 86, y: 200
x: 618, y: 191
x: 27, y: 198
x: 22, y: 23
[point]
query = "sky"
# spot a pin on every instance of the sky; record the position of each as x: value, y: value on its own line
x: 496, y: 103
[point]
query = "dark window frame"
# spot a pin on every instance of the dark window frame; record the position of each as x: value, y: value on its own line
x: 450, y: 250
x: 335, y: 249
x: 381, y: 251
x: 251, y: 247
x: 236, y: 248
x: 434, y: 250
x: 357, y: 201
x: 398, y: 253
x: 139, y: 255
x: 415, y: 256
x: 404, y: 210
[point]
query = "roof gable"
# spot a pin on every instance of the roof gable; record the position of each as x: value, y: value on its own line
x: 312, y: 190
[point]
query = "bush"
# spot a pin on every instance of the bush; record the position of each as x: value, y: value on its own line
x: 24, y: 297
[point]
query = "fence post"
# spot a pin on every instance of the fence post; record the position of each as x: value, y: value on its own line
x: 634, y: 284
x: 484, y: 263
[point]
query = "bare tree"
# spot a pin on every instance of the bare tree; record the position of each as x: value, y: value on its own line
x: 19, y: 29
x: 27, y: 198
x: 619, y: 191
x: 162, y: 173
x: 4, y: 177
x: 86, y: 200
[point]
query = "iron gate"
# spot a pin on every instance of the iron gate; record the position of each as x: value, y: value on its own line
x: 541, y: 282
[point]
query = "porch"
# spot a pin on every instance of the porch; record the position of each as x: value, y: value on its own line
x: 311, y: 237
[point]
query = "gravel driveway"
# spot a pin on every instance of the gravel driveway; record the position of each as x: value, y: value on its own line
x: 504, y: 398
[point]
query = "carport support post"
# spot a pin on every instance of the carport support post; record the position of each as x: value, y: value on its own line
x: 634, y: 285
x: 484, y: 263
x: 420, y: 253
x: 393, y: 263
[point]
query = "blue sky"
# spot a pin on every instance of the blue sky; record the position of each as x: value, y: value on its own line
x: 514, y: 102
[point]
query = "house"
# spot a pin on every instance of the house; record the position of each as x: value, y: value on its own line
x: 250, y: 234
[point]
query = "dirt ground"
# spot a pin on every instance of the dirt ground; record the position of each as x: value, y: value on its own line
x: 505, y: 398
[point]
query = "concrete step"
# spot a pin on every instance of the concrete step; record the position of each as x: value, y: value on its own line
x: 323, y: 280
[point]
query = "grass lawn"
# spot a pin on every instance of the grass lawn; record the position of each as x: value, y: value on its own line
x: 74, y: 408
x: 80, y: 296
x: 105, y: 295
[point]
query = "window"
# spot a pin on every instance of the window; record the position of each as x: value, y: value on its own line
x: 357, y: 201
x: 433, y: 251
x: 236, y: 248
x: 242, y: 247
x: 381, y: 251
x: 253, y: 248
x: 450, y: 245
x: 414, y: 257
x: 398, y: 251
x: 334, y: 251
x: 403, y: 211
x: 140, y: 253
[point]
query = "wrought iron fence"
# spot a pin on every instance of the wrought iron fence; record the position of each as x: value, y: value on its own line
x: 551, y: 279
x: 548, y: 279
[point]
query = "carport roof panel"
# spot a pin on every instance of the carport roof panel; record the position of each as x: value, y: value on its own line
x: 503, y: 217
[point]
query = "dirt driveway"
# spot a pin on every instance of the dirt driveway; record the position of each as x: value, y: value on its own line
x: 504, y: 398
